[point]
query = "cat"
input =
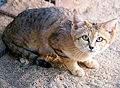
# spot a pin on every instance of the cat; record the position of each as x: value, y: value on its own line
x: 36, y: 32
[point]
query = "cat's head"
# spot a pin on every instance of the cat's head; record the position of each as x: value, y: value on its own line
x: 93, y: 37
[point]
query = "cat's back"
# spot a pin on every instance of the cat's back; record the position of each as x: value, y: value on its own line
x: 33, y: 27
x: 43, y: 20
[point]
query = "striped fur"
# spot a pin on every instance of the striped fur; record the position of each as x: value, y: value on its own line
x: 37, y: 32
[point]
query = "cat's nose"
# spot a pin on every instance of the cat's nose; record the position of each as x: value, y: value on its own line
x: 91, y: 47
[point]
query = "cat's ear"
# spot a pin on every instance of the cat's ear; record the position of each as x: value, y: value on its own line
x: 111, y: 27
x: 77, y: 22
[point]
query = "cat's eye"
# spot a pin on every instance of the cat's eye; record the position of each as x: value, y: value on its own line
x: 99, y: 39
x: 85, y: 37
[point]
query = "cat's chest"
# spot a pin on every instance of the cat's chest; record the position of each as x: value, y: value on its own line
x: 69, y: 54
x: 76, y: 55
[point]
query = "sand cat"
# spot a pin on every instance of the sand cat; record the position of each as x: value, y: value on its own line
x: 36, y: 32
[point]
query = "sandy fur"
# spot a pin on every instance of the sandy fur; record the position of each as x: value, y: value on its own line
x: 37, y: 34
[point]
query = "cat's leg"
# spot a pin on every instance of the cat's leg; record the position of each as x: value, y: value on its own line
x: 91, y: 63
x: 73, y: 67
x: 27, y: 54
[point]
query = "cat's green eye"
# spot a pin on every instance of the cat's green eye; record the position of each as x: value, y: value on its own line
x: 99, y: 39
x: 85, y: 37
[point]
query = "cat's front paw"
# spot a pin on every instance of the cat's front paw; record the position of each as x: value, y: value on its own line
x: 73, y: 67
x: 92, y: 64
x: 78, y: 72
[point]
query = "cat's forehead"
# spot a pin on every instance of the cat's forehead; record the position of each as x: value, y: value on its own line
x: 85, y: 28
x: 94, y: 27
x: 98, y: 30
x: 95, y: 30
x: 91, y: 29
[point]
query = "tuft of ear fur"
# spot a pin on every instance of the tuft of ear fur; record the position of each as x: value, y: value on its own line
x: 111, y: 27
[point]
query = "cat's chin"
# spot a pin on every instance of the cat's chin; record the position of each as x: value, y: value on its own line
x: 92, y: 51
x: 88, y: 54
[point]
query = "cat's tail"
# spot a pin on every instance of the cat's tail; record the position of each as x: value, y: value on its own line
x: 19, y: 53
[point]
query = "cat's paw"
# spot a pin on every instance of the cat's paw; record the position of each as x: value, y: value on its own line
x: 78, y: 72
x: 92, y: 64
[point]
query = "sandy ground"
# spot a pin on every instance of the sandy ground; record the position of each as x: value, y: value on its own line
x: 12, y: 75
